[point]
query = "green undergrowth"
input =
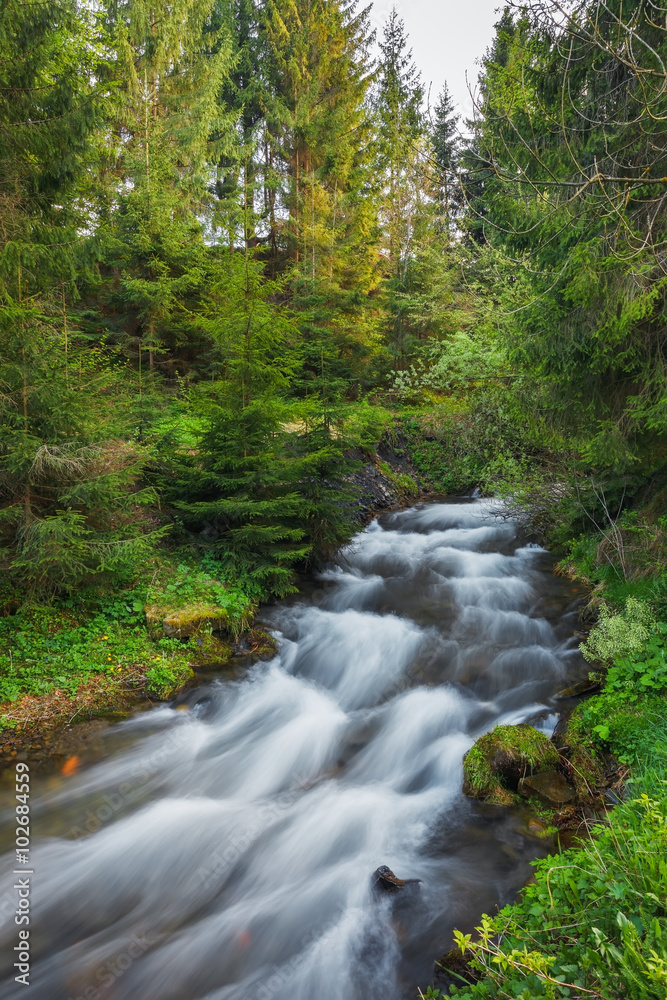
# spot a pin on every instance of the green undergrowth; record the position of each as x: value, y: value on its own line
x: 64, y: 643
x: 594, y: 922
x: 457, y: 443
x: 437, y: 459
x: 402, y: 480
x: 199, y: 591
x: 642, y: 577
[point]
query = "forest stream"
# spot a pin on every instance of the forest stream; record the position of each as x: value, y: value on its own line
x: 234, y: 843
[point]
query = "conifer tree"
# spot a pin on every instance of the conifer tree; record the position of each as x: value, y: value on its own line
x: 169, y: 70
x: 400, y: 130
x: 68, y: 486
x: 445, y: 140
x: 239, y: 489
x: 403, y: 169
x: 319, y: 69
x: 244, y: 93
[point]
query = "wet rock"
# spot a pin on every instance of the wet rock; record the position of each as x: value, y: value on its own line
x: 453, y: 970
x: 384, y: 880
x: 204, y: 707
x: 499, y: 760
x: 580, y: 758
x: 578, y: 690
x: 613, y: 797
x: 258, y: 645
x: 559, y: 735
x: 590, y: 815
x: 537, y: 827
x: 550, y: 787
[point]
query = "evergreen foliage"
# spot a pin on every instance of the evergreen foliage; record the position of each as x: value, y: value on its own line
x: 446, y: 151
x: 228, y: 235
x: 569, y: 134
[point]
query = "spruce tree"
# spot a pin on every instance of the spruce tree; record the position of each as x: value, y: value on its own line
x: 238, y: 183
x: 238, y: 489
x: 319, y: 69
x: 445, y: 140
x: 168, y: 72
x: 66, y: 490
x: 402, y: 168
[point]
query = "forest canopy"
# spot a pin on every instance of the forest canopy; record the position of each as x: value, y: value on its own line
x: 240, y: 241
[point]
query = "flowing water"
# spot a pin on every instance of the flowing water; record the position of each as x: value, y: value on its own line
x: 226, y: 852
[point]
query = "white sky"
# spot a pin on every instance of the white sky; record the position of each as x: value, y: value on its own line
x: 446, y: 36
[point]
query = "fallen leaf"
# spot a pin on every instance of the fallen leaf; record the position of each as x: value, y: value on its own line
x: 70, y: 766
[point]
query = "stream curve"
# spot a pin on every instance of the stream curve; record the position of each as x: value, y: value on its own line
x: 226, y: 852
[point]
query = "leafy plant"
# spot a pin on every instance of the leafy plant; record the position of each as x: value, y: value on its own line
x: 618, y: 636
x: 592, y: 924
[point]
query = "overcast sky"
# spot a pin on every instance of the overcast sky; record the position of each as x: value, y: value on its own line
x: 447, y: 36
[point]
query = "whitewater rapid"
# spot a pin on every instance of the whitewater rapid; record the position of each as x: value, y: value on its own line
x: 226, y: 852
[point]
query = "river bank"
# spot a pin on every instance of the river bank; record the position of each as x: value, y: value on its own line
x: 591, y: 922
x: 62, y: 740
x: 341, y: 755
x: 114, y: 655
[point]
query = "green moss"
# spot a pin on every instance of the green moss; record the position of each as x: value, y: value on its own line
x: 401, y: 480
x: 262, y: 645
x: 209, y: 651
x: 194, y: 619
x: 494, y: 766
x: 549, y: 937
x: 192, y: 601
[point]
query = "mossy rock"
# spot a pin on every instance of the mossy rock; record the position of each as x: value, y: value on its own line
x: 499, y: 760
x: 209, y: 652
x: 194, y: 620
x: 257, y: 644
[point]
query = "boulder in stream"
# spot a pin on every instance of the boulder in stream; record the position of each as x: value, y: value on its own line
x: 499, y: 760
x: 210, y: 652
x: 588, y: 686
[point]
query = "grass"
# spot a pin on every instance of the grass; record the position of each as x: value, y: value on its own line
x: 593, y: 925
x: 403, y: 482
x: 64, y: 644
x: 632, y: 567
x: 594, y: 922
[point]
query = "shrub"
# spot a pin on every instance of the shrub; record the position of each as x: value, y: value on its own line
x: 618, y: 636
